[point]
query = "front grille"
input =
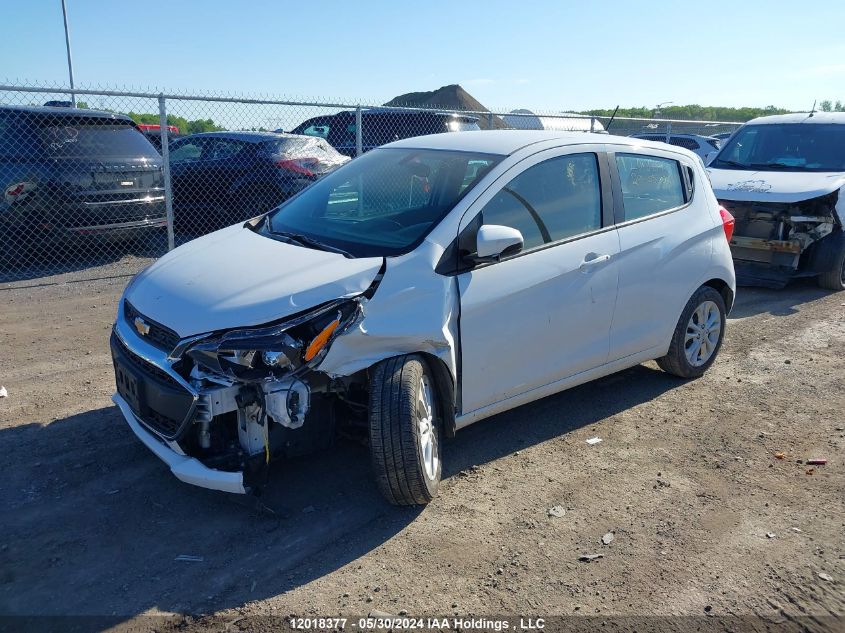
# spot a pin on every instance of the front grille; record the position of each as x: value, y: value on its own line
x: 164, y: 403
x: 147, y: 368
x: 161, y: 423
x: 160, y: 336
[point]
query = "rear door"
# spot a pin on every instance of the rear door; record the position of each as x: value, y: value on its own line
x: 185, y: 156
x: 223, y: 165
x: 545, y: 313
x: 663, y: 244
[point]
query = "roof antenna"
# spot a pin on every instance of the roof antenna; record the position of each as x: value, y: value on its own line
x: 612, y: 116
x: 813, y: 111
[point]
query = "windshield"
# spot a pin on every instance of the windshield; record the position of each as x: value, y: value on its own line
x: 382, y: 203
x: 787, y: 146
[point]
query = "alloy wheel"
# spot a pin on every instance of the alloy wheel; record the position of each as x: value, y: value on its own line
x: 429, y: 451
x: 703, y: 331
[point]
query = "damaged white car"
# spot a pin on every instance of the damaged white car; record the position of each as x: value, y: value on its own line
x: 783, y: 179
x: 422, y: 287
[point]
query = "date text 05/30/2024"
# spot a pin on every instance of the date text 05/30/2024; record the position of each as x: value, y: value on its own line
x: 420, y: 624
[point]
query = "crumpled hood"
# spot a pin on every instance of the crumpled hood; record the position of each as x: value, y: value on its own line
x: 235, y: 277
x: 773, y: 186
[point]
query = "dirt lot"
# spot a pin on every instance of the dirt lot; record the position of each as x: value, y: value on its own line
x: 706, y: 518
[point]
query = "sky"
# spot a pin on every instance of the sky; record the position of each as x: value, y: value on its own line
x: 543, y: 55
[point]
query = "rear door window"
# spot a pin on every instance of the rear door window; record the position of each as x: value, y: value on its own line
x: 189, y: 149
x: 650, y: 184
x: 222, y: 148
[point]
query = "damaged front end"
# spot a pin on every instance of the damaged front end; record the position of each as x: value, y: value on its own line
x: 777, y: 241
x: 218, y: 407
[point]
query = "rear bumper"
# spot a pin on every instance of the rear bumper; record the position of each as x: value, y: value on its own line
x: 133, y: 225
x: 185, y: 468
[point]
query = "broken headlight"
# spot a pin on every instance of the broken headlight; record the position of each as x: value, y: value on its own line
x: 255, y: 354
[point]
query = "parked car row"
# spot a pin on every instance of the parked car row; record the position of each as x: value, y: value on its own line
x: 72, y: 174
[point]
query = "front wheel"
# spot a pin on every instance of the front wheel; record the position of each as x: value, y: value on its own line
x: 404, y: 426
x: 834, y: 279
x: 698, y: 335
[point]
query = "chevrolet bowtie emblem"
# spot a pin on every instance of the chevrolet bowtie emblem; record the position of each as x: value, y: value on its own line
x: 142, y: 326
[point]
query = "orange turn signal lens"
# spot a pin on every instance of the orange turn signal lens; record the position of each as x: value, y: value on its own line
x: 320, y: 340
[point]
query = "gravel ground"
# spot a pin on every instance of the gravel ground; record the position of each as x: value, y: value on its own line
x: 704, y: 486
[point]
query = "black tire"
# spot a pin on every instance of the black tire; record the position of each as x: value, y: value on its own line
x: 676, y: 362
x: 834, y: 279
x: 395, y: 435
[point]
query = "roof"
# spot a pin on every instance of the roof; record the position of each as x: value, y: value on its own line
x: 502, y: 141
x: 249, y: 137
x: 800, y: 117
x: 51, y: 111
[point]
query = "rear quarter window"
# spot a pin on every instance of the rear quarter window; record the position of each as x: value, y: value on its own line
x: 650, y: 184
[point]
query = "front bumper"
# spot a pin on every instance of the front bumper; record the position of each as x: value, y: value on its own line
x: 185, y: 468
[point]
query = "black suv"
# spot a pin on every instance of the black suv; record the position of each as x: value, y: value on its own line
x: 382, y: 126
x: 68, y: 173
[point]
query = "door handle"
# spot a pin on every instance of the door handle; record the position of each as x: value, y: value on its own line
x: 591, y: 260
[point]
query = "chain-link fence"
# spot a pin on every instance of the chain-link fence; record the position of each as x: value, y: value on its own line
x: 100, y: 176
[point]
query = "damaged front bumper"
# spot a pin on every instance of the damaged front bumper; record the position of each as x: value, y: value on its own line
x: 185, y: 468
x: 776, y: 241
x: 212, y: 430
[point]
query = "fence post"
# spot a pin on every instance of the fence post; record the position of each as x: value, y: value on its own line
x: 592, y: 124
x: 359, y: 133
x: 489, y: 120
x: 165, y: 158
x: 668, y: 131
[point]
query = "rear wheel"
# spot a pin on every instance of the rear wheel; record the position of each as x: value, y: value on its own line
x: 698, y: 335
x: 405, y: 430
x: 834, y: 279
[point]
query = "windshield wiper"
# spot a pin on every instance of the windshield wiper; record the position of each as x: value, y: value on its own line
x: 777, y: 164
x: 732, y: 163
x: 310, y: 242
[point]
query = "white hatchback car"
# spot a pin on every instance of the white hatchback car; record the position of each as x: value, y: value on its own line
x: 422, y: 287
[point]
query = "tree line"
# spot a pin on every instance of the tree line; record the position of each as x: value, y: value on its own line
x: 697, y: 112
x: 692, y: 112
x: 186, y: 126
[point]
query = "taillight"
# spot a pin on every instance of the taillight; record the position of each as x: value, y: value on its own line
x: 302, y: 166
x: 728, y: 222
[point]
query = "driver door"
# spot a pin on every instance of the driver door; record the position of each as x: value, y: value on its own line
x: 542, y: 314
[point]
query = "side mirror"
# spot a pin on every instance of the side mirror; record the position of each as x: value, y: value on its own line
x: 495, y: 241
